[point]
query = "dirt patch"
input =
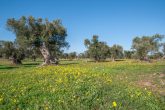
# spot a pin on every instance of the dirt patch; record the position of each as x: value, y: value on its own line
x: 162, y: 75
x: 154, y: 82
x: 147, y: 83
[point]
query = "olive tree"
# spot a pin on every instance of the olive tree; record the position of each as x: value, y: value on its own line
x: 11, y: 51
x: 128, y: 54
x: 96, y: 49
x: 72, y: 55
x: 7, y: 48
x: 146, y: 44
x: 116, y: 51
x: 48, y: 37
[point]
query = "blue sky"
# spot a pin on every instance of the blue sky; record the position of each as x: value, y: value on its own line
x: 115, y: 21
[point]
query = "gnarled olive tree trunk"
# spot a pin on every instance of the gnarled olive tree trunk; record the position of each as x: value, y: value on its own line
x: 48, y: 59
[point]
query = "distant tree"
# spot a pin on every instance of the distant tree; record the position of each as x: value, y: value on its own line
x: 72, y: 55
x: 81, y: 55
x: 128, y: 54
x: 7, y: 48
x: 157, y: 55
x: 163, y: 50
x: 32, y: 53
x: 86, y: 54
x: 116, y: 51
x: 18, y: 56
x: 34, y: 56
x: 1, y: 51
x: 146, y: 44
x: 65, y: 55
x: 10, y: 50
x: 96, y: 49
x: 48, y: 37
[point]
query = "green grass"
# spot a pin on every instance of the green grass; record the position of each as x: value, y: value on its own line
x: 81, y: 85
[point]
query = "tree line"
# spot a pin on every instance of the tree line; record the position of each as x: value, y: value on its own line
x: 41, y: 38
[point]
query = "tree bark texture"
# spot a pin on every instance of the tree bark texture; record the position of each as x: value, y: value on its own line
x: 48, y: 59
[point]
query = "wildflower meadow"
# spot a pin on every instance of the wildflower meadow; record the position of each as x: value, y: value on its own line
x: 78, y: 85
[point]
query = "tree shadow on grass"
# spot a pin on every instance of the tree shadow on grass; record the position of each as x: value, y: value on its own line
x: 30, y: 64
x: 117, y: 60
x: 3, y: 67
x: 72, y: 63
x: 8, y: 67
x: 97, y: 61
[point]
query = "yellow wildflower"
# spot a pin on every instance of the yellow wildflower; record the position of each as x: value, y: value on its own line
x: 46, y: 108
x: 114, y: 104
x: 149, y: 93
x: 1, y: 99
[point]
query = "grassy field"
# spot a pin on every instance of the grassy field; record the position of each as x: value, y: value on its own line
x: 81, y: 85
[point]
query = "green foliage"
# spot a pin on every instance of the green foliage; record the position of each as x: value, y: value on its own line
x: 11, y: 51
x: 36, y: 32
x: 128, y: 54
x: 64, y: 55
x: 7, y: 48
x: 18, y: 56
x: 116, y: 51
x: 96, y: 49
x: 30, y: 30
x: 157, y: 55
x: 81, y: 55
x: 72, y: 55
x: 146, y: 44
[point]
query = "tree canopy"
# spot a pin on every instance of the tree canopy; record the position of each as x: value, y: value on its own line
x: 96, y: 49
x: 146, y: 44
x: 116, y: 51
x: 49, y: 37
